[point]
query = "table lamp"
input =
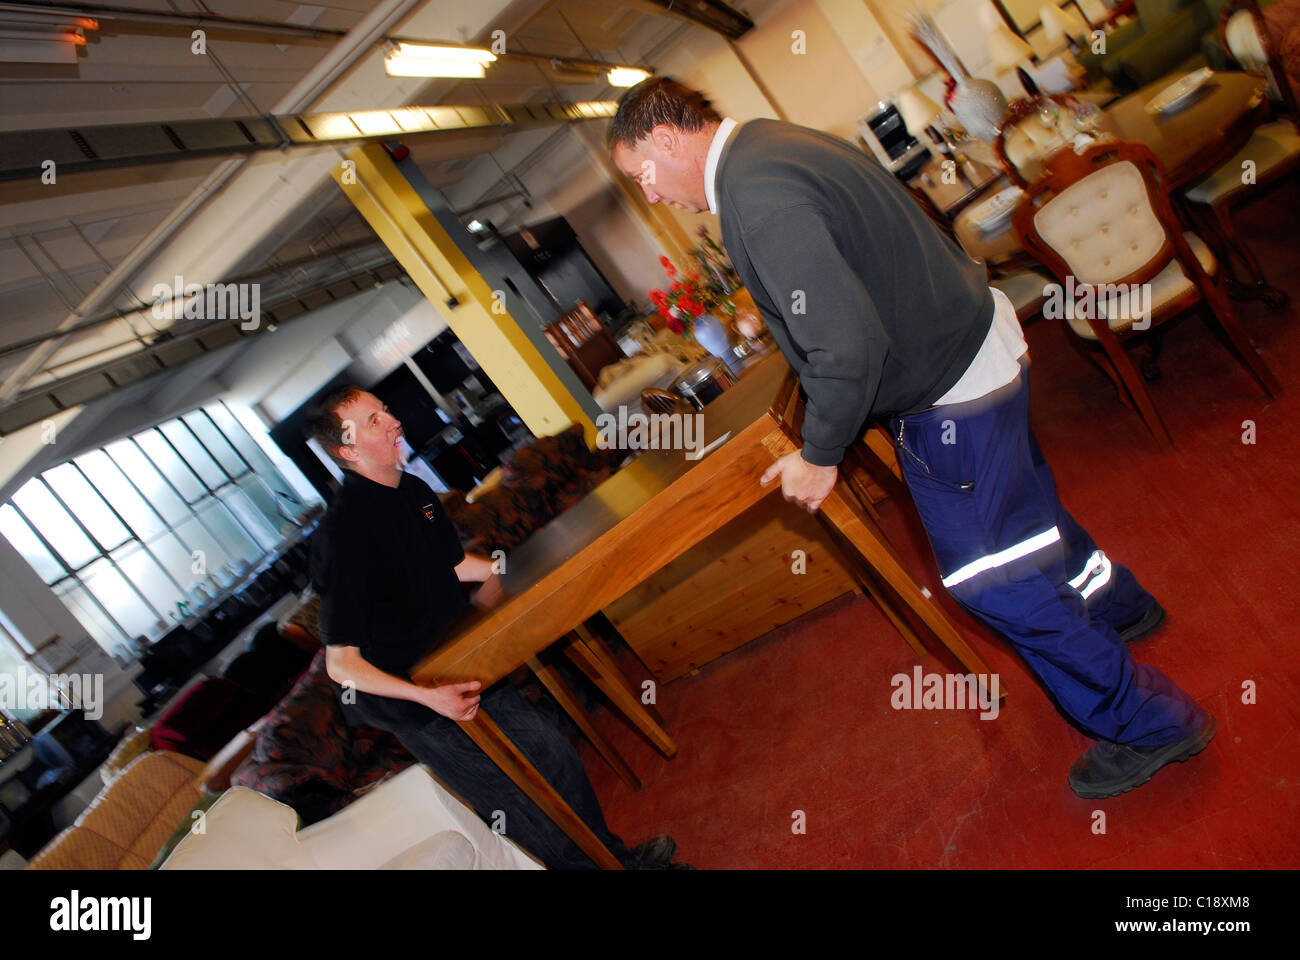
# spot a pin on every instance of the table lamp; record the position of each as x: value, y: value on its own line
x: 1006, y: 49
x: 1060, y: 24
x: 917, y: 110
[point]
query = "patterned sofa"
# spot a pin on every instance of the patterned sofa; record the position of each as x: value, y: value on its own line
x: 539, y: 482
x: 305, y: 753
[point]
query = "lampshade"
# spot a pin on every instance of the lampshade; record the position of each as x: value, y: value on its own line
x: 917, y: 110
x: 1006, y: 49
x: 1059, y: 23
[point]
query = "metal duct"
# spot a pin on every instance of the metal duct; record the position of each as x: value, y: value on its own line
x: 711, y: 14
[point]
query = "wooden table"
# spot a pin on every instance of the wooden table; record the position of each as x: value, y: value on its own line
x: 970, y: 182
x: 643, y: 517
x: 1190, y: 143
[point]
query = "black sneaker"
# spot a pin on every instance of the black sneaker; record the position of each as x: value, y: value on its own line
x: 656, y: 853
x: 1143, y: 626
x: 1109, y: 769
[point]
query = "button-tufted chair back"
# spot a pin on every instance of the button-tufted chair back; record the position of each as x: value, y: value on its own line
x: 1104, y: 226
x: 1102, y: 216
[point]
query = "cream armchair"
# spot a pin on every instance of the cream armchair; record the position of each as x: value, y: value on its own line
x: 1102, y: 222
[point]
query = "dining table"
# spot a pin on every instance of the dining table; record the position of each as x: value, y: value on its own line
x: 648, y: 513
x: 1190, y: 142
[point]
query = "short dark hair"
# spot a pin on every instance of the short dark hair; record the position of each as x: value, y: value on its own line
x: 654, y: 101
x: 323, y: 423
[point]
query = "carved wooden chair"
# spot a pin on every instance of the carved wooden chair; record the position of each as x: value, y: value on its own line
x: 1104, y: 217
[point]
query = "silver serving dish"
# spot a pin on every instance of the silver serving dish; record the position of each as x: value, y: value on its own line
x: 704, y: 381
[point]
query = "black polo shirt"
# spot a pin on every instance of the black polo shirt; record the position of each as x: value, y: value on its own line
x: 383, y: 563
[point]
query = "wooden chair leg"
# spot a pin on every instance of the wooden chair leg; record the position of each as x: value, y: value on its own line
x: 1097, y: 357
x: 1221, y: 307
x: 1133, y: 383
x: 1150, y: 362
x: 1235, y: 242
x: 586, y: 653
x: 553, y: 682
x: 489, y: 738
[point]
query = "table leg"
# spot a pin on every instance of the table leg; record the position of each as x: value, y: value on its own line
x: 593, y: 639
x: 489, y: 738
x: 869, y: 541
x: 552, y: 681
x: 842, y: 511
x: 873, y: 587
x: 586, y: 653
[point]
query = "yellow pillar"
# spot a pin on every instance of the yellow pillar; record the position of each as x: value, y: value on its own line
x: 427, y: 252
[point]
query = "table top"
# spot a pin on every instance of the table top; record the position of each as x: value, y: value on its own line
x: 1183, y: 140
x: 617, y: 536
x: 1189, y: 143
x: 971, y: 181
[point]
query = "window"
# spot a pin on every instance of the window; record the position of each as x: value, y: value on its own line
x: 17, y: 705
x: 136, y: 535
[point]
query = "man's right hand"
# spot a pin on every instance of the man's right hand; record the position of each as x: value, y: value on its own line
x: 458, y: 701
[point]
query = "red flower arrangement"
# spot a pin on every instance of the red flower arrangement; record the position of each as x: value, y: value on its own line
x: 685, y: 299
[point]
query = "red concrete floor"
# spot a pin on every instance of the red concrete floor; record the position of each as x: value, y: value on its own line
x: 800, y: 720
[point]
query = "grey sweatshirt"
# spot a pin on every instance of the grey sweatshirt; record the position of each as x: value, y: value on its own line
x: 875, y: 309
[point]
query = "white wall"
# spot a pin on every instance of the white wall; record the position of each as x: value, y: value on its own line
x: 848, y: 63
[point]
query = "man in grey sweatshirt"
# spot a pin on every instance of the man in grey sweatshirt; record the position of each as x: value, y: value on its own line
x: 883, y: 317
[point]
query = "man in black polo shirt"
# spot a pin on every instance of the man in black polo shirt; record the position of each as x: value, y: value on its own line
x: 388, y: 566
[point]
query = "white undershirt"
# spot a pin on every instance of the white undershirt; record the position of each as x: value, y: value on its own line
x: 998, y: 360
x: 711, y: 161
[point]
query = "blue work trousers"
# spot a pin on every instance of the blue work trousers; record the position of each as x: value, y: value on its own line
x: 1012, y: 555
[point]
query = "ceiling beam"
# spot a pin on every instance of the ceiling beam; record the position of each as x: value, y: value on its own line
x: 23, y: 155
x: 180, y: 347
x: 185, y: 21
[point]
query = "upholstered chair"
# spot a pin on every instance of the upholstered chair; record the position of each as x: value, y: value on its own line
x: 1273, y: 149
x: 1103, y: 217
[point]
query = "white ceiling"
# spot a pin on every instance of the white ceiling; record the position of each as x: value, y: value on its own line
x: 57, y: 242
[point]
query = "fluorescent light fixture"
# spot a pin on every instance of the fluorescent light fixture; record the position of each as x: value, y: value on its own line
x: 424, y: 51
x: 415, y: 67
x: 42, y: 37
x: 433, y: 60
x: 626, y: 76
